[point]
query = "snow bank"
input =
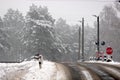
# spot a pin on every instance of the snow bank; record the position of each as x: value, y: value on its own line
x: 11, y: 71
x: 29, y: 70
x: 47, y: 71
x: 112, y: 62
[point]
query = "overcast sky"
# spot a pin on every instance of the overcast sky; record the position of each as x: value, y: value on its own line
x: 71, y: 10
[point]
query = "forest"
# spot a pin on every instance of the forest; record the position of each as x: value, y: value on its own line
x: 38, y: 32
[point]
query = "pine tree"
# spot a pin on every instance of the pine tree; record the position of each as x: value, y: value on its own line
x: 39, y: 37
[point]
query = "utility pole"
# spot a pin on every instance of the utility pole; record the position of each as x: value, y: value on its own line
x: 82, y: 39
x: 79, y: 43
x: 98, y: 38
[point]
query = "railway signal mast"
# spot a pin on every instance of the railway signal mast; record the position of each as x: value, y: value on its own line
x: 82, y: 55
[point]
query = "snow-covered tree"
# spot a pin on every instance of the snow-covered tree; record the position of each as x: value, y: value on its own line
x: 13, y: 23
x: 39, y: 37
x: 110, y: 29
x: 89, y: 41
x: 13, y: 18
x: 1, y: 22
x: 4, y: 45
x: 68, y: 38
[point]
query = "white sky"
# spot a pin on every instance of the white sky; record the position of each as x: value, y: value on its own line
x: 71, y: 10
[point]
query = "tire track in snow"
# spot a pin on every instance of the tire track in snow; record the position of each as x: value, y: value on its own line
x: 62, y: 72
x: 87, y: 75
x: 111, y: 70
x: 98, y: 71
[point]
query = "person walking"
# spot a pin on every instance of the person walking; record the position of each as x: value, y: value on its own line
x: 39, y: 58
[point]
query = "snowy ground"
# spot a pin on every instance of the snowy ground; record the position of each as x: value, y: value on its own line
x: 112, y: 62
x: 29, y: 70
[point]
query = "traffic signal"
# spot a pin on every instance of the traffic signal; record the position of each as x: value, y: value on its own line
x: 96, y: 43
x: 103, y: 43
x: 118, y: 1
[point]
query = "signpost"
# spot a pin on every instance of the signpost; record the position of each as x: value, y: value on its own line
x: 109, y: 50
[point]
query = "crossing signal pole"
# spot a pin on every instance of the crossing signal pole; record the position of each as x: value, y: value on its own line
x: 98, y: 38
x: 79, y: 43
x: 82, y: 39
